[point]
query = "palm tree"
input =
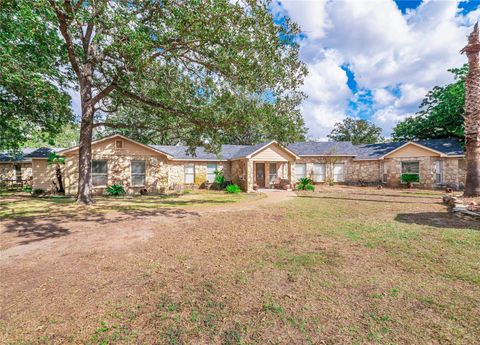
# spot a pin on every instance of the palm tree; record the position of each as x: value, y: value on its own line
x: 472, y: 114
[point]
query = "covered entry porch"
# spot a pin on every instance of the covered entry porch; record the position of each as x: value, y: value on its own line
x: 268, y: 174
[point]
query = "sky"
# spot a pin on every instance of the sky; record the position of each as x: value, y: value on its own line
x: 375, y: 59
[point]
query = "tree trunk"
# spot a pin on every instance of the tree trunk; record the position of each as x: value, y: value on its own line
x: 472, y: 184
x: 58, y: 172
x: 85, y: 146
x: 472, y: 115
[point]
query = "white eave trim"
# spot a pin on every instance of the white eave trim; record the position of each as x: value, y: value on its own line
x: 117, y: 136
x: 268, y: 144
x: 441, y: 154
x: 197, y: 160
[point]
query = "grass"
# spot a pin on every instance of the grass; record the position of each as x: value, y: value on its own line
x: 340, y: 265
x: 26, y: 206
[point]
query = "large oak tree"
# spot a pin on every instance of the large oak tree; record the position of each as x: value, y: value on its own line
x: 184, y: 67
x: 34, y: 102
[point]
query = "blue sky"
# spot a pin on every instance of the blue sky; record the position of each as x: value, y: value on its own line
x: 376, y: 59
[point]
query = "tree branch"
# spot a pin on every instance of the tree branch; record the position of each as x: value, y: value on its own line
x: 104, y: 93
x: 63, y: 26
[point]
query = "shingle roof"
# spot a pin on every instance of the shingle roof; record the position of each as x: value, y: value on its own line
x: 27, y: 154
x: 323, y: 148
x: 448, y: 146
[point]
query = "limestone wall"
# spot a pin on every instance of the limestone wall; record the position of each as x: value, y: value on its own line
x: 453, y: 172
x: 119, y: 172
x: 7, y: 171
x: 238, y: 173
x: 364, y: 171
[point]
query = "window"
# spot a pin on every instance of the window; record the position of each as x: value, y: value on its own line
x: 18, y: 173
x: 272, y: 172
x: 338, y: 172
x: 438, y: 172
x: 189, y: 172
x: 211, y: 168
x: 319, y: 172
x: 119, y: 144
x: 138, y: 173
x: 300, y: 171
x: 411, y: 168
x: 99, y: 173
x: 384, y: 172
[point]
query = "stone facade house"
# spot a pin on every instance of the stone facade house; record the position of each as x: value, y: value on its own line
x: 157, y: 168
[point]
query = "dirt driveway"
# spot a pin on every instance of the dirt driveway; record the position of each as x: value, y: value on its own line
x: 55, y: 234
x: 337, y: 266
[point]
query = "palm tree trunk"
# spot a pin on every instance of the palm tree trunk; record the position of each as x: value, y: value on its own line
x: 472, y: 115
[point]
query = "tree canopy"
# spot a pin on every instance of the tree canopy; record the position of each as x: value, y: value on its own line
x: 441, y: 112
x: 197, y: 70
x: 34, y: 101
x: 358, y: 131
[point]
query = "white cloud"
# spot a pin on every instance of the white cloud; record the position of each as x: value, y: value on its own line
x: 385, y: 49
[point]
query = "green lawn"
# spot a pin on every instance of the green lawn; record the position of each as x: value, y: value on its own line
x: 337, y: 266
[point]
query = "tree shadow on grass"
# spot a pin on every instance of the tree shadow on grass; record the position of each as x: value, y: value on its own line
x: 438, y: 220
x: 34, y: 229
x: 369, y: 199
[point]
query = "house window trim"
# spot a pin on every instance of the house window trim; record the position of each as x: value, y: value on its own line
x: 272, y: 177
x: 117, y: 141
x: 324, y: 168
x: 144, y: 173
x: 106, y: 173
x: 185, y: 173
x: 343, y: 173
x: 304, y: 170
x: 17, y: 171
x: 440, y: 163
x: 216, y: 169
x: 384, y: 176
x: 401, y: 172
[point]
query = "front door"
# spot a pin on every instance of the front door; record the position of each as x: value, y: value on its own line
x: 260, y: 174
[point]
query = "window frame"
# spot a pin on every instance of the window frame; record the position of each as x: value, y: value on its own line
x: 413, y: 173
x: 213, y: 173
x: 335, y: 179
x: 119, y: 141
x: 17, y: 170
x: 100, y: 174
x: 137, y: 174
x: 439, y: 166
x: 324, y: 169
x: 185, y: 173
x: 384, y: 173
x: 304, y: 170
x: 272, y: 177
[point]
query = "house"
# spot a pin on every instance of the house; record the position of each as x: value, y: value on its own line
x: 157, y: 168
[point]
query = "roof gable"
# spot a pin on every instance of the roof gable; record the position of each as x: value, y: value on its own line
x: 107, y: 145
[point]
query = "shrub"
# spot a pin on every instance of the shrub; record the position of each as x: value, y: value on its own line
x: 305, y: 183
x: 27, y: 189
x: 233, y: 188
x: 37, y: 191
x: 409, y: 179
x: 115, y: 190
x: 219, y: 178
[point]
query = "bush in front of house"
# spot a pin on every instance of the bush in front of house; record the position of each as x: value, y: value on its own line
x: 409, y: 179
x: 219, y: 183
x: 27, y: 189
x: 305, y: 183
x: 115, y: 190
x: 37, y: 192
x: 233, y: 189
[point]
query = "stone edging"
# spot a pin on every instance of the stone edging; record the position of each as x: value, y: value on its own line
x: 458, y: 208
